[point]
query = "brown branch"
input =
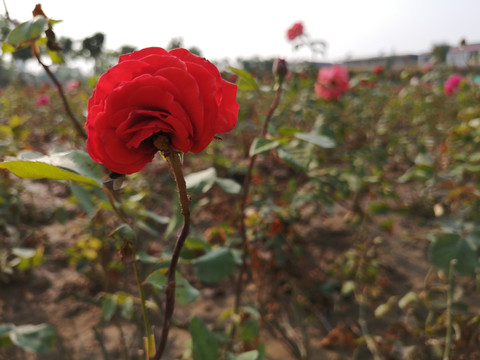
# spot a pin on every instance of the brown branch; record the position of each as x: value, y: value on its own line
x: 80, y: 130
x: 243, y: 203
x: 174, y: 159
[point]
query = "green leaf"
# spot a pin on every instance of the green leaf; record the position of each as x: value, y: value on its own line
x: 249, y: 330
x: 76, y: 161
x: 202, y: 180
x: 204, y: 343
x: 56, y: 57
x: 229, y: 186
x: 39, y: 170
x: 378, y: 208
x: 447, y: 247
x: 7, y: 48
x: 245, y: 81
x: 84, y: 198
x: 6, y: 328
x: 261, y: 145
x: 124, y: 232
x: 27, y: 31
x: 316, y: 139
x: 109, y: 305
x: 185, y: 293
x: 215, y: 265
x: 34, y: 338
x: 157, y: 278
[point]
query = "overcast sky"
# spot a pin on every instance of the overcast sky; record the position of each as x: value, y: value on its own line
x: 231, y: 29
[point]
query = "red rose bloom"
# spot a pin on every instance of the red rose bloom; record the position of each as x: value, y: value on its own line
x: 153, y: 91
x: 332, y: 82
x: 295, y: 31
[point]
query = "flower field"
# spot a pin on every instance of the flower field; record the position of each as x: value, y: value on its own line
x: 338, y: 218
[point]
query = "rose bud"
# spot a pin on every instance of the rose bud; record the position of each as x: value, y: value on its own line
x: 279, y: 69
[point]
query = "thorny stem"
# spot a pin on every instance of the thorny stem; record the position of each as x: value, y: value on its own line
x: 174, y: 159
x: 243, y: 205
x: 59, y: 86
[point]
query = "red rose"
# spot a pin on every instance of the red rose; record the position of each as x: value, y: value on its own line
x: 153, y: 91
x: 295, y: 31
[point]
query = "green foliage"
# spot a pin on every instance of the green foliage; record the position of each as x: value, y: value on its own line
x: 26, y: 32
x: 33, y: 338
x: 215, y: 265
x: 72, y: 165
x: 205, y: 345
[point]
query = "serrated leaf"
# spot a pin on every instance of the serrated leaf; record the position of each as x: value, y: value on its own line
x: 316, y: 139
x: 215, y: 265
x: 261, y: 145
x: 204, y: 343
x: 27, y: 31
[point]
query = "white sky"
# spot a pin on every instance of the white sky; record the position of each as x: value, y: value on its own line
x: 231, y: 29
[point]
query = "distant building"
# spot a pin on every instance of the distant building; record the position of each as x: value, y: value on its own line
x: 393, y: 62
x: 464, y: 56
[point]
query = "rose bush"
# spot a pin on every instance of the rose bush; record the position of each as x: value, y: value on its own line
x: 154, y: 91
x: 332, y: 82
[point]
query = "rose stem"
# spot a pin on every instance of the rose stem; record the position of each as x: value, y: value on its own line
x: 174, y: 159
x: 243, y: 205
x: 59, y: 86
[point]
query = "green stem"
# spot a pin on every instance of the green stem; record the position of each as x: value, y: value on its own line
x: 174, y: 159
x: 141, y: 293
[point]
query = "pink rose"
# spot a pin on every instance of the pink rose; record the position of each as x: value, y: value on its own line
x: 42, y: 100
x: 451, y: 84
x: 295, y: 31
x: 332, y: 82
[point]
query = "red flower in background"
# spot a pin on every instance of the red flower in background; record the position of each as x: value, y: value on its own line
x: 295, y: 31
x: 42, y: 100
x: 451, y: 84
x: 332, y: 82
x: 379, y: 69
x: 154, y: 91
